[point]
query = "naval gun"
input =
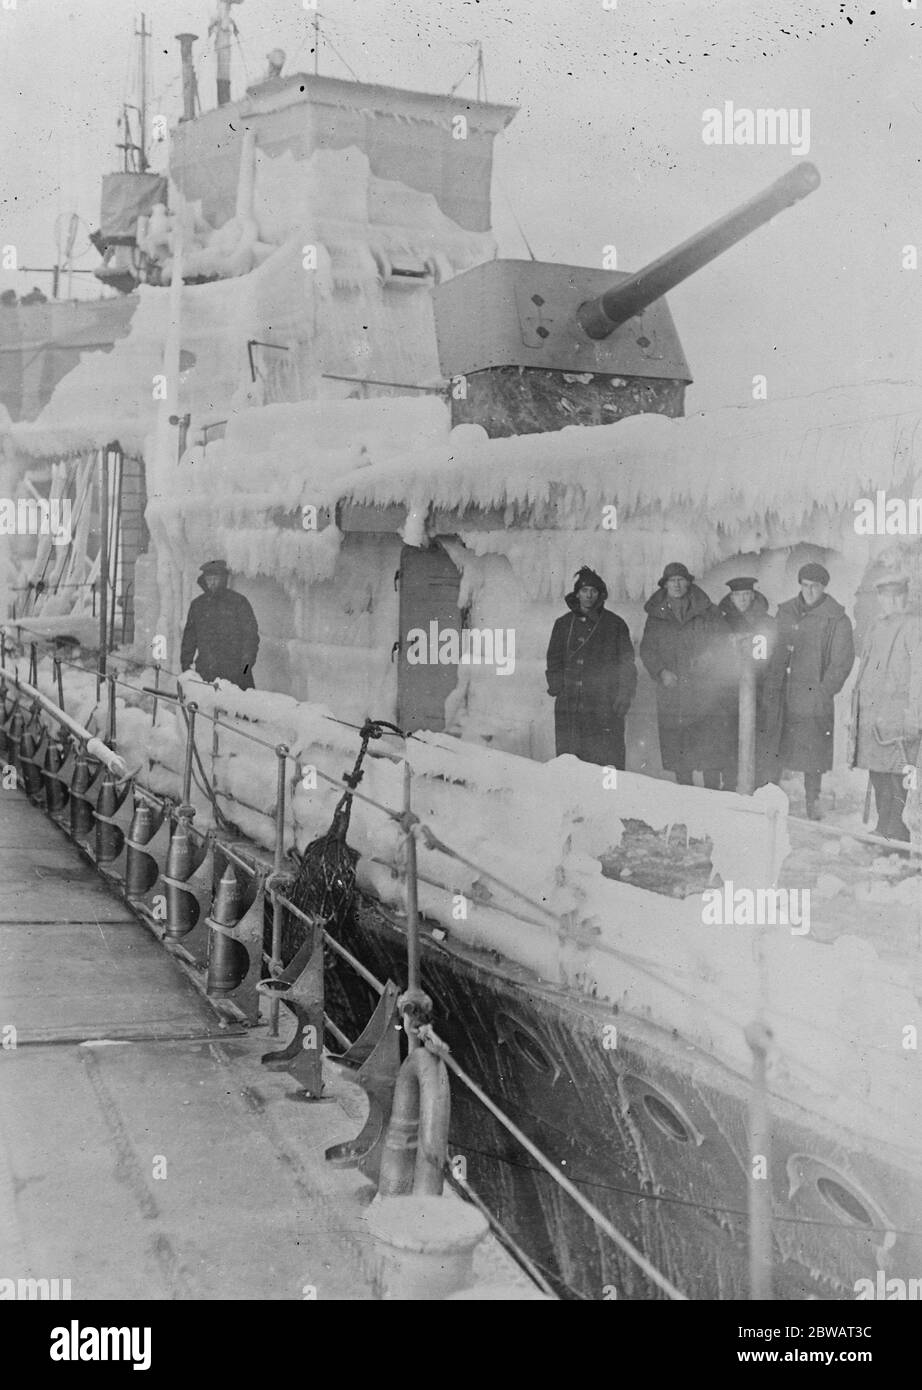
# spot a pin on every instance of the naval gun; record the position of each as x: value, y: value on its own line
x: 532, y: 346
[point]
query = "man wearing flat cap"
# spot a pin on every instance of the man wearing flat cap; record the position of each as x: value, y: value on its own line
x: 887, y: 703
x: 684, y: 649
x: 591, y: 675
x: 221, y: 635
x: 813, y: 655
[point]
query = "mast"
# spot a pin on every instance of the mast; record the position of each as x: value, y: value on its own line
x: 143, y: 34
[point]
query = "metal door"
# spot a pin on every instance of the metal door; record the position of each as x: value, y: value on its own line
x: 429, y: 588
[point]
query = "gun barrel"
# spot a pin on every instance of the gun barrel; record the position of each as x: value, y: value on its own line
x: 600, y: 317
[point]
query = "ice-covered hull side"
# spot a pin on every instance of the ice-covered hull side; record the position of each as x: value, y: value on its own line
x: 652, y: 1130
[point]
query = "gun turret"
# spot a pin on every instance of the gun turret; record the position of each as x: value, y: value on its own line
x: 522, y: 358
x: 601, y: 316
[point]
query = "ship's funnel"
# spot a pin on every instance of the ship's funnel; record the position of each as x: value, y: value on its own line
x: 600, y: 317
x: 185, y: 42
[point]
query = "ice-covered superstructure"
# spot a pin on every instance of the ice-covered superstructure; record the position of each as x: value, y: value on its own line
x: 316, y: 502
x: 320, y: 459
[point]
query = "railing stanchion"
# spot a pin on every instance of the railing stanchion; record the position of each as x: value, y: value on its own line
x: 59, y: 680
x: 110, y: 693
x: 153, y: 718
x: 412, y: 890
x: 281, y: 753
x: 758, y: 1037
x: 191, y: 709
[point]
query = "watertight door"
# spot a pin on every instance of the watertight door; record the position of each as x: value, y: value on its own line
x: 429, y: 588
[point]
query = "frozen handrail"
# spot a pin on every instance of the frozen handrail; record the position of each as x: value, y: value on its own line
x: 94, y: 745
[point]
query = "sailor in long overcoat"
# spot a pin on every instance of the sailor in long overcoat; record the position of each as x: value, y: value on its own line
x: 887, y: 703
x: 221, y: 635
x: 813, y: 656
x: 684, y: 650
x: 752, y: 639
x: 591, y: 675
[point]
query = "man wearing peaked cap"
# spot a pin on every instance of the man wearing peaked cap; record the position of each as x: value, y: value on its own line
x: 591, y: 675
x: 812, y: 658
x: 887, y: 702
x: 221, y: 634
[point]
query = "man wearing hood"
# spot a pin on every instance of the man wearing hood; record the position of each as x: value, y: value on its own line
x: 812, y: 658
x: 221, y: 635
x: 591, y: 675
x: 683, y: 644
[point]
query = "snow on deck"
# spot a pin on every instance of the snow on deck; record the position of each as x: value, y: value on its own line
x: 837, y: 1009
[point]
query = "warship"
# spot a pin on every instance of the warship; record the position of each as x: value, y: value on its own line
x: 562, y: 959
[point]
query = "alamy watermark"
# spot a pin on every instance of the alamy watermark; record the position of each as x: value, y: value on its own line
x: 37, y: 516
x: 469, y: 646
x: 28, y: 1290
x: 765, y: 125
x: 76, y: 1343
x: 756, y: 907
x: 888, y: 516
x: 894, y: 1290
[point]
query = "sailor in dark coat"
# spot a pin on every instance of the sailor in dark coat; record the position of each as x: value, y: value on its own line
x: 221, y: 635
x: 684, y: 650
x: 591, y: 674
x: 813, y: 655
x: 752, y: 639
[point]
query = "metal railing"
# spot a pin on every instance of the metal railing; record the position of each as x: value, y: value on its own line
x: 419, y: 1033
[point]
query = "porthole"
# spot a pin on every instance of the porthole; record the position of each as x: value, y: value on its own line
x: 510, y: 1030
x: 665, y: 1118
x: 843, y: 1202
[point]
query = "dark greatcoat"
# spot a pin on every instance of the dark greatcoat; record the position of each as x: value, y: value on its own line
x: 221, y: 636
x: 813, y: 655
x: 692, y: 714
x: 591, y: 674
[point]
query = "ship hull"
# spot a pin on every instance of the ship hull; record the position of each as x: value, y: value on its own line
x: 652, y: 1131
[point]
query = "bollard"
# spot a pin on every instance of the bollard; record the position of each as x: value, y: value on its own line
x: 182, y: 860
x: 228, y: 961
x: 423, y: 1247
x: 81, y: 812
x: 55, y: 790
